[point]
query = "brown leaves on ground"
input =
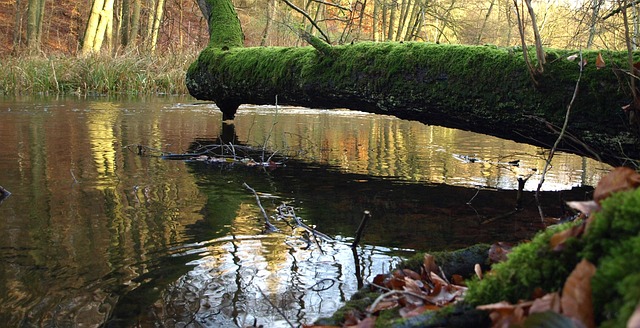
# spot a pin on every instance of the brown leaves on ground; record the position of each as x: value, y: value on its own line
x: 415, y: 293
x: 574, y: 303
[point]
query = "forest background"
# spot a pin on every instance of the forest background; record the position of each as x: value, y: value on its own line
x: 145, y: 46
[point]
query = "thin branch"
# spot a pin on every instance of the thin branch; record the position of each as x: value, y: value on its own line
x: 365, y: 217
x: 276, y: 308
x: 267, y: 224
x: 304, y: 13
x: 332, y: 5
x: 555, y: 145
x: 620, y: 8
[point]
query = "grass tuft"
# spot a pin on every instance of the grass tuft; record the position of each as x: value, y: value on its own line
x: 130, y: 74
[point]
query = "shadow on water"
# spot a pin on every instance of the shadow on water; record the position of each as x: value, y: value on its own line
x: 234, y: 273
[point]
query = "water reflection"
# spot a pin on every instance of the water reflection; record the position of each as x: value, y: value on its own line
x: 386, y: 146
x: 93, y: 233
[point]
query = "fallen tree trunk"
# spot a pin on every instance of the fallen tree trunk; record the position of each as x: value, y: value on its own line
x: 484, y: 89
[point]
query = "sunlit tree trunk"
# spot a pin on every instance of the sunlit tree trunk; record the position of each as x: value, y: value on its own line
x: 484, y: 22
x: 159, y: 11
x: 35, y: 14
x: 404, y: 11
x: 106, y: 17
x: 392, y: 19
x: 536, y: 34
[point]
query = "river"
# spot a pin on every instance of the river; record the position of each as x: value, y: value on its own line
x: 97, y: 234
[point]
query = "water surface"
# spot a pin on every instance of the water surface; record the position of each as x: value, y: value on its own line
x: 95, y: 234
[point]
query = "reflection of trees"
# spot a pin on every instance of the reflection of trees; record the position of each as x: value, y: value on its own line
x: 386, y: 146
x: 89, y: 215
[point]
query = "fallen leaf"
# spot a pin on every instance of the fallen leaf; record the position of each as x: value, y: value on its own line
x: 548, y: 302
x: 619, y: 179
x: 478, y: 269
x: 383, y: 305
x: 576, y: 294
x: 368, y: 322
x: 458, y: 279
x: 429, y: 264
x: 499, y: 251
x: 634, y: 321
x: 586, y: 207
x: 600, y: 62
x: 408, y: 313
x: 558, y: 240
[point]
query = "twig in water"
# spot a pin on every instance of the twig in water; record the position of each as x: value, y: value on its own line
x: 275, y: 307
x: 73, y: 176
x: 555, y: 145
x: 474, y: 196
x: 275, y: 121
x: 268, y: 225
x: 365, y: 217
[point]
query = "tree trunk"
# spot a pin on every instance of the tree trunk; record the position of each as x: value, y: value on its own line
x: 17, y: 28
x: 538, y: 40
x: 125, y: 29
x: 92, y: 27
x: 157, y: 18
x: 35, y: 14
x: 484, y: 22
x: 135, y: 23
x: 374, y: 27
x: 392, y: 19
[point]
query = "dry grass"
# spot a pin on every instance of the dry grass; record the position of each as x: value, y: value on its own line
x: 132, y: 74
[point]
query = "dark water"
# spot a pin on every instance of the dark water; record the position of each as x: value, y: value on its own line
x: 95, y: 234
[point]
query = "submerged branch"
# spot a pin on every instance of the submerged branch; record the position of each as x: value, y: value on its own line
x: 267, y: 224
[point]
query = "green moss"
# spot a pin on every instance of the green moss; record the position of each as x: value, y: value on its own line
x: 359, y: 303
x: 224, y: 25
x: 531, y: 265
x: 613, y: 244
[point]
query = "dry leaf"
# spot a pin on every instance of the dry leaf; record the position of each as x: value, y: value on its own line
x: 408, y: 313
x: 600, y: 62
x: 634, y: 321
x: 548, y: 302
x: 621, y: 178
x: 576, y: 294
x: 499, y: 251
x: 559, y: 238
x: 368, y: 322
x: 429, y: 264
x: 585, y: 207
x: 457, y: 279
x: 383, y: 305
x: 478, y: 269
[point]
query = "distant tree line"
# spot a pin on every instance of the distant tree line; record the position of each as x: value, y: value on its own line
x: 145, y: 26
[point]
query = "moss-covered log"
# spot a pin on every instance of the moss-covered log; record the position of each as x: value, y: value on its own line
x: 484, y: 89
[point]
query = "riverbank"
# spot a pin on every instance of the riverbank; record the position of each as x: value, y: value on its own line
x: 132, y: 74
